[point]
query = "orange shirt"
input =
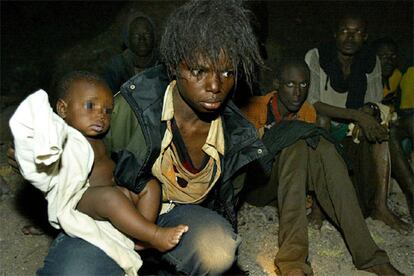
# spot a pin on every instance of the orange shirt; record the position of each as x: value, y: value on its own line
x: 256, y: 110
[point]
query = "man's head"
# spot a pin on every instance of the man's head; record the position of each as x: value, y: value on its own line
x: 350, y: 34
x: 141, y: 36
x: 387, y: 51
x: 85, y: 103
x: 292, y: 83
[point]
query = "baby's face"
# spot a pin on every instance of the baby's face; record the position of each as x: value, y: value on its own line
x: 88, y: 107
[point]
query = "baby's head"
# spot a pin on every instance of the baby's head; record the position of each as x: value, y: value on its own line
x: 85, y: 102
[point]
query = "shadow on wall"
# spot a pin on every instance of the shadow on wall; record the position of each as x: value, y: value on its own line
x: 64, y: 36
x: 295, y: 27
x: 93, y: 54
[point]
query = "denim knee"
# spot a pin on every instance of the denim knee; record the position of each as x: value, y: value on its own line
x: 210, y: 245
x: 74, y: 256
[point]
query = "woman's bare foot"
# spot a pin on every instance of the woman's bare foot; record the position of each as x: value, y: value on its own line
x: 392, y: 220
x: 384, y: 269
x: 32, y: 230
x: 166, y: 238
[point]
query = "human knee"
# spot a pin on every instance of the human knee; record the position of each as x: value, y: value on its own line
x: 152, y: 188
x: 293, y: 159
x: 326, y: 146
x: 74, y: 256
x: 214, y: 251
x: 299, y: 148
x: 112, y: 196
x: 299, y: 145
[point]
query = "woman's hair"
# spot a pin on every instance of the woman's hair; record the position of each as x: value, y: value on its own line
x: 206, y: 29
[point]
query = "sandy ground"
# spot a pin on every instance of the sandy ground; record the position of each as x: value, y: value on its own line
x: 21, y: 204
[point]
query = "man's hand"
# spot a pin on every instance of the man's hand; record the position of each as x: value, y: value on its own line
x: 11, y: 159
x: 373, y: 131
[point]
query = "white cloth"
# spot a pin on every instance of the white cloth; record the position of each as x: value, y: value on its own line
x: 317, y: 92
x: 57, y: 159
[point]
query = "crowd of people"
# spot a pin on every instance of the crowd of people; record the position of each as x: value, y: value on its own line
x: 152, y: 159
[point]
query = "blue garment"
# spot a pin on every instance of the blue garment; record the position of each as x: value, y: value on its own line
x: 209, y: 247
x: 75, y: 256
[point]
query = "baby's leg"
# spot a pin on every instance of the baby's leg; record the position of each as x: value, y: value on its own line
x: 148, y: 200
x: 110, y: 203
x: 147, y: 203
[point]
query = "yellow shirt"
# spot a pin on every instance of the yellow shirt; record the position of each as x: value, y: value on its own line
x: 168, y: 168
x: 407, y: 89
x: 394, y: 81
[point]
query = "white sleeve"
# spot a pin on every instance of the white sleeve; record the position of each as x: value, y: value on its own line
x: 375, y: 91
x: 312, y: 59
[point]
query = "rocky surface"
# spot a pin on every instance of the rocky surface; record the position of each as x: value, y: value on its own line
x: 21, y: 204
x: 327, y: 251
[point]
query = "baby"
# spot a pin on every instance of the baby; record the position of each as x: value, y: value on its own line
x: 85, y: 103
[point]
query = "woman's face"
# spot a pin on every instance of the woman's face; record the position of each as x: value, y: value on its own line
x: 204, y: 88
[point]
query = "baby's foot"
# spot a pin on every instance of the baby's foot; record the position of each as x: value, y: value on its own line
x: 166, y: 238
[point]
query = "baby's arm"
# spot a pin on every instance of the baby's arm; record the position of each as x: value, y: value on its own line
x: 110, y: 203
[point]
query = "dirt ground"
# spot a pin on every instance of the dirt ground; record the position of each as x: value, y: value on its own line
x: 21, y: 204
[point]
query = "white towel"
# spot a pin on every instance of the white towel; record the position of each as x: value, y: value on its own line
x: 57, y: 159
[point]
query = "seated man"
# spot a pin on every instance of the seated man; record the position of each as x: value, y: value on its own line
x: 387, y: 51
x: 405, y: 112
x: 141, y: 52
x: 403, y: 126
x: 345, y: 76
x: 304, y: 160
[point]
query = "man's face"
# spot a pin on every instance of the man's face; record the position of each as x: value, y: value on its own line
x: 388, y: 57
x: 141, y: 37
x: 293, y: 87
x: 204, y: 88
x: 350, y: 36
x: 87, y: 107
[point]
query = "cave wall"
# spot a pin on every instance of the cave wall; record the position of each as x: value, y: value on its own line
x: 42, y: 40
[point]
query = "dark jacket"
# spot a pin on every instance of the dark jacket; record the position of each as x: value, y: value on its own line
x: 137, y: 131
x: 288, y: 132
x: 121, y: 68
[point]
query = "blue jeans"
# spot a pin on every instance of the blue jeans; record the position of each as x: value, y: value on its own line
x: 209, y: 247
